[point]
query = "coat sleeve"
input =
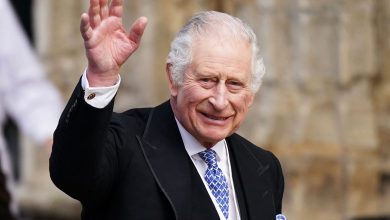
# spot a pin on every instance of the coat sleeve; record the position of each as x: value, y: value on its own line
x: 279, y: 185
x: 84, y: 159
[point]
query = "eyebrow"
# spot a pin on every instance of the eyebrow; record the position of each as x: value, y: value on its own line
x: 210, y: 75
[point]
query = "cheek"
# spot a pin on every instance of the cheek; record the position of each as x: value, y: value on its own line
x: 193, y: 94
x: 241, y: 103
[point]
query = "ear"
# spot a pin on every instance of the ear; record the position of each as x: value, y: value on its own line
x: 172, y: 85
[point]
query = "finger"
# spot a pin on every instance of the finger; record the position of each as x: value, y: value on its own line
x: 137, y: 29
x: 85, y: 27
x: 94, y: 13
x: 103, y: 9
x: 116, y: 8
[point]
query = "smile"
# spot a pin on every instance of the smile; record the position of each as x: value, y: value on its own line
x: 216, y: 118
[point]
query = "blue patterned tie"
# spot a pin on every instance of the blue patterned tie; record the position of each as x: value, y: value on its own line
x: 216, y: 180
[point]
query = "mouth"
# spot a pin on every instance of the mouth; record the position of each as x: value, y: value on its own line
x: 215, y: 118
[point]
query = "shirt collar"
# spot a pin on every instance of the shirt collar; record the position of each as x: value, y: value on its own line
x: 193, y: 147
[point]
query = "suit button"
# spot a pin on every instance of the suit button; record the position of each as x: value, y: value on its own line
x: 91, y: 96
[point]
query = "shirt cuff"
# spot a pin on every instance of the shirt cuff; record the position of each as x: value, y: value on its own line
x: 98, y: 97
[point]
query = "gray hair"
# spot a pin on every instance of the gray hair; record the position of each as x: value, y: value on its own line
x: 180, y: 54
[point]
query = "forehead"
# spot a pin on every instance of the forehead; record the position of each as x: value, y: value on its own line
x: 222, y: 54
x: 218, y: 38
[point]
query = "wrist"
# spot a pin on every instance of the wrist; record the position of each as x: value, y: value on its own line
x: 101, y: 79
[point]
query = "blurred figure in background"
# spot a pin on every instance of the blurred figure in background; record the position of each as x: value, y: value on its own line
x: 25, y: 95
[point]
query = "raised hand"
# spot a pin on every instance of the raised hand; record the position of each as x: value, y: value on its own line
x: 107, y: 44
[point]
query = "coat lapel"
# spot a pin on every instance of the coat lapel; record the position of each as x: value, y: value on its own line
x: 166, y: 156
x: 251, y: 175
x: 170, y: 164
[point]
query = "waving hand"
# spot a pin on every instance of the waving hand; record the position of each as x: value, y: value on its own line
x: 107, y: 44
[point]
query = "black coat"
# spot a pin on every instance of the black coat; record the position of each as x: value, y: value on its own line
x: 134, y: 165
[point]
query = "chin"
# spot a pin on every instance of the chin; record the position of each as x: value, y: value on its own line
x: 213, y: 139
x: 216, y: 133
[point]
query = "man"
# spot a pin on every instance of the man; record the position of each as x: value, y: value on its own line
x: 181, y: 159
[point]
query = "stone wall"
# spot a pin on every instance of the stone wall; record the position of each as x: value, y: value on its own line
x: 324, y: 107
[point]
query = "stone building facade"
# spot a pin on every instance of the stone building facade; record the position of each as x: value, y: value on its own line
x: 324, y: 106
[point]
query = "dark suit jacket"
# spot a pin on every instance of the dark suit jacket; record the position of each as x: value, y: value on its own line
x: 134, y: 165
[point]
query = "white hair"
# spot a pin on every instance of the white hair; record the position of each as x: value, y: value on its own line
x: 180, y: 54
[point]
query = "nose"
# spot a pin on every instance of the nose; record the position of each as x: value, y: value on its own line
x: 219, y: 99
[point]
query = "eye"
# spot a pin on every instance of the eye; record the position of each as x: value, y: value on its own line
x: 207, y: 82
x: 235, y: 85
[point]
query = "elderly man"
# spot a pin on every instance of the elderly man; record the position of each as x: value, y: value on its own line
x: 181, y: 159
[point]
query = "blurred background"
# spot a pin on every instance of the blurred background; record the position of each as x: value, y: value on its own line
x: 323, y: 109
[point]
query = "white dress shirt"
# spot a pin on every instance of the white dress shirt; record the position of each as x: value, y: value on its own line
x: 102, y: 96
x: 98, y: 97
x: 193, y: 147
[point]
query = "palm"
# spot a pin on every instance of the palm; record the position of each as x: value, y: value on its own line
x: 107, y: 44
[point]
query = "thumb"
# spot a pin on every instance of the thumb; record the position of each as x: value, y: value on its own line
x: 137, y: 29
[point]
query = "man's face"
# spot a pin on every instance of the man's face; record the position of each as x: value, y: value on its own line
x: 215, y: 94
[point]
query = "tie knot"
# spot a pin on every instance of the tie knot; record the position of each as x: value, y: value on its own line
x: 209, y: 156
